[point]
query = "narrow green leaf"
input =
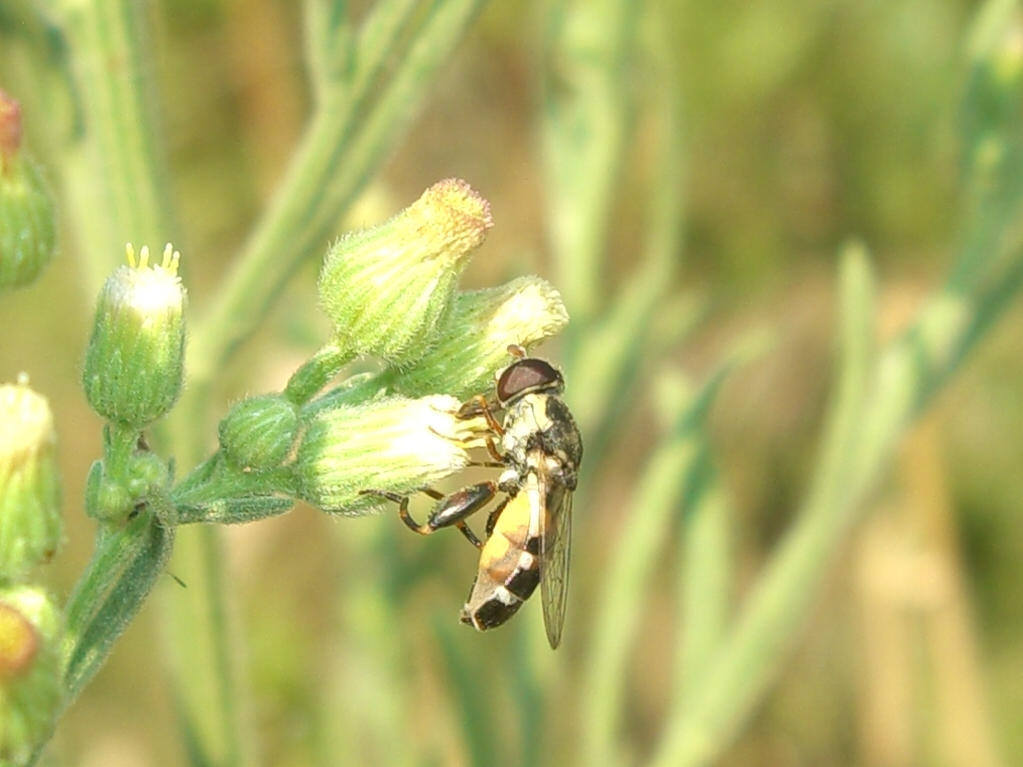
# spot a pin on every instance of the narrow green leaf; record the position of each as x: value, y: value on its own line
x: 657, y: 496
x: 716, y: 701
x: 119, y: 577
x: 705, y: 575
x: 234, y: 511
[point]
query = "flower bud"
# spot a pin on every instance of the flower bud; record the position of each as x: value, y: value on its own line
x: 105, y: 499
x: 394, y: 444
x: 474, y: 341
x: 28, y: 231
x: 134, y: 363
x: 386, y: 289
x: 30, y: 521
x: 259, y: 432
x: 30, y: 692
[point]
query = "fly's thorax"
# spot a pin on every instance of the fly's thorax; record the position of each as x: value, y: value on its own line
x: 541, y: 435
x: 524, y: 421
x: 561, y: 437
x: 525, y: 416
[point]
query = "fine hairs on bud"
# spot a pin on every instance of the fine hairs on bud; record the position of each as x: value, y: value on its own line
x: 474, y: 341
x: 395, y: 443
x: 134, y: 362
x: 258, y: 432
x: 387, y: 289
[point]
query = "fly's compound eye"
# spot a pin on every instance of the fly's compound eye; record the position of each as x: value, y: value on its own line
x: 526, y: 377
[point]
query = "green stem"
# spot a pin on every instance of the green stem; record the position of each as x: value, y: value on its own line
x: 738, y: 672
x: 704, y: 583
x: 585, y: 121
x: 124, y: 566
x: 206, y: 678
x: 117, y: 178
x: 368, y: 677
x: 227, y: 496
x: 610, y: 352
x: 200, y: 649
x: 658, y: 494
x: 120, y: 443
x: 115, y: 186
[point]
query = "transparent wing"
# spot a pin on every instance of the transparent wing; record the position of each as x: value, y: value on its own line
x: 555, y: 548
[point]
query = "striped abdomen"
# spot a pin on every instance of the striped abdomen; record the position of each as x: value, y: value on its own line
x: 509, y: 569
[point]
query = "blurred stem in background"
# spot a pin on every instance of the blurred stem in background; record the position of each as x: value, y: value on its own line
x: 113, y: 156
x: 725, y: 671
x: 588, y: 108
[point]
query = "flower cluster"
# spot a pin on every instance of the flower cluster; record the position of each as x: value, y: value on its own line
x: 391, y: 293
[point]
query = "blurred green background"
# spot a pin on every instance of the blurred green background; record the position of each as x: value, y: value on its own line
x: 803, y: 124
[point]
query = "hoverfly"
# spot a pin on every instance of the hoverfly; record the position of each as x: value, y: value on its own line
x: 528, y: 534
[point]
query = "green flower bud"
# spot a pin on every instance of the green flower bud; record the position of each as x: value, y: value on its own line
x: 259, y: 432
x: 28, y: 232
x: 133, y: 366
x: 386, y: 289
x: 394, y: 444
x: 474, y: 341
x: 30, y: 692
x: 106, y: 499
x: 30, y: 521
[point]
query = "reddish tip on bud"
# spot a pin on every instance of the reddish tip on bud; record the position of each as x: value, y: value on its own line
x: 453, y: 213
x: 10, y: 129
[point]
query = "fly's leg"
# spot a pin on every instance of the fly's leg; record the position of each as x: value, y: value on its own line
x: 403, y: 513
x: 451, y: 511
x: 488, y: 464
x: 494, y: 515
x: 498, y: 458
x: 463, y: 528
x: 470, y: 536
x: 477, y: 406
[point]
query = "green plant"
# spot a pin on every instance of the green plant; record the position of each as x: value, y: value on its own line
x: 617, y: 353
